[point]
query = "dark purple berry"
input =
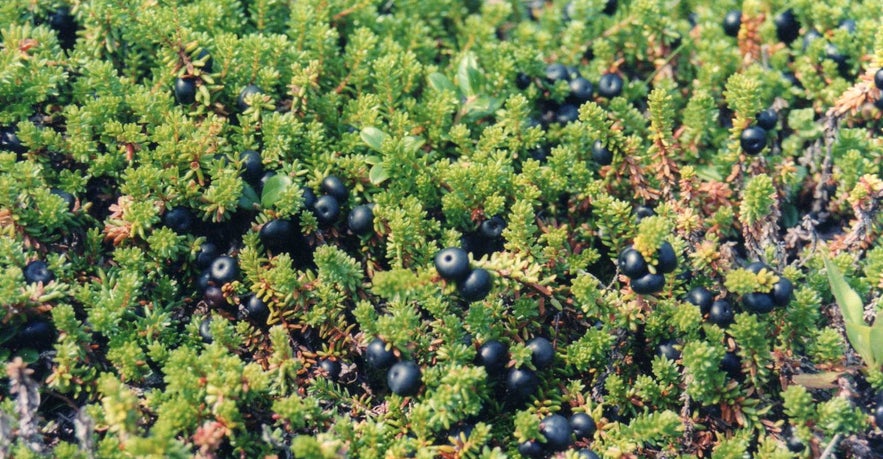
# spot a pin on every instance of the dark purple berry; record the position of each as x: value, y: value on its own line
x: 38, y: 271
x: 566, y: 113
x: 309, y: 197
x: 668, y: 350
x: 648, y: 284
x: 557, y: 431
x: 404, y: 378
x: 378, y: 356
x: 208, y: 64
x: 666, y: 258
x: 555, y: 72
x: 732, y: 365
x: 277, y: 235
x: 732, y: 23
x: 185, y: 90
x: 9, y: 141
x: 66, y: 197
x: 878, y: 79
x: 758, y: 302
x: 782, y: 291
x: 492, y: 228
x: 531, y: 449
x: 224, y: 269
x: 331, y: 368
x: 541, y: 352
x: 768, y: 119
x: 610, y: 85
x: 361, y: 220
x: 600, y: 154
x: 476, y: 285
x: 643, y: 212
x: 586, y: 453
x: 522, y: 81
x: 214, y: 297
x: 702, y: 297
x: 326, y: 209
x: 334, y: 186
x: 583, y: 425
x: 522, y: 383
x: 205, y: 330
x: 206, y: 255
x: 452, y: 263
x: 35, y: 334
x: 580, y: 90
x: 752, y: 140
x: 493, y: 356
x: 257, y: 310
x: 179, y: 220
x: 721, y: 313
x: 253, y: 167
x: 242, y: 101
x: 787, y: 27
x: 632, y: 263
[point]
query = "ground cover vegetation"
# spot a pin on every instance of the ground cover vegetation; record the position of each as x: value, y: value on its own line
x: 414, y: 228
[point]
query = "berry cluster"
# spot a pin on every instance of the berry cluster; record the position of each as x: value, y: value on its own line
x: 647, y: 279
x: 403, y: 377
x: 452, y: 264
x: 487, y: 239
x: 764, y: 302
x: 559, y: 432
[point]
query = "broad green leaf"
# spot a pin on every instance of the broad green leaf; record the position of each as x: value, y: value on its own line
x: 860, y: 338
x: 468, y: 76
x: 412, y: 143
x: 849, y: 301
x: 876, y: 341
x: 480, y: 107
x: 378, y: 174
x: 440, y: 82
x: 373, y: 159
x: 249, y: 197
x: 273, y: 188
x: 373, y: 137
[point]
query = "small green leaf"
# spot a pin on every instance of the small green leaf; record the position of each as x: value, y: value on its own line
x: 860, y: 338
x: 412, y: 144
x: 849, y: 301
x: 273, y: 189
x: 876, y: 341
x: 29, y: 355
x: 373, y: 159
x: 373, y: 137
x: 440, y: 82
x: 378, y: 174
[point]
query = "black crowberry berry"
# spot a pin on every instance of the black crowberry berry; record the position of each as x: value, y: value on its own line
x: 178, y: 219
x: 586, y: 453
x: 331, y: 368
x: 492, y: 228
x: 758, y: 302
x: 404, y: 378
x: 732, y: 364
x: 224, y: 269
x: 476, y: 285
x: 531, y: 449
x: 787, y: 27
x: 721, y: 313
x: 555, y: 72
x: 702, y: 297
x: 185, y: 90
x: 361, y: 220
x: 252, y: 167
x: 522, y: 383
x: 377, y: 356
x: 35, y: 334
x: 580, y: 90
x: 276, y: 235
x: 206, y: 255
x: 632, y: 263
x: 541, y: 352
x: 668, y: 350
x: 257, y: 310
x: 493, y: 356
x: 600, y: 154
x: 610, y: 85
x: 522, y: 81
x: 66, y: 197
x: 643, y: 212
x: 782, y: 291
x: 334, y: 186
x: 648, y: 284
x: 878, y: 79
x: 753, y: 139
x: 732, y: 23
x: 566, y: 113
x: 666, y: 258
x: 768, y: 119
x: 326, y: 209
x: 452, y: 263
x: 38, y: 271
x: 557, y: 431
x: 9, y: 141
x: 242, y: 101
x: 583, y: 425
x: 208, y: 63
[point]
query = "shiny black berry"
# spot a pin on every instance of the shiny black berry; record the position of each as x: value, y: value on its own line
x: 758, y: 302
x: 522, y: 81
x: 666, y: 258
x: 555, y: 72
x: 452, y: 263
x: 277, y: 235
x: 610, y: 85
x: 476, y: 285
x: 66, y: 197
x: 9, y: 141
x: 214, y: 297
x: 541, y: 352
x: 782, y: 291
x: 643, y: 212
x: 257, y: 310
x: 752, y: 140
x: 309, y: 197
x: 205, y: 330
x: 531, y: 449
x: 493, y: 356
x: 768, y: 119
x: 580, y: 90
x: 732, y: 365
x: 185, y: 90
x: 878, y: 79
x: 377, y: 356
x: 732, y: 23
x: 64, y: 23
x: 334, y: 186
x: 610, y: 7
x: 648, y: 284
x: 721, y: 313
x: 252, y: 167
x: 35, y: 334
x: 522, y: 383
x: 331, y: 368
x: 179, y: 220
x: 404, y: 378
x: 242, y: 101
x: 566, y: 113
x: 583, y: 425
x: 557, y: 431
x: 600, y: 154
x: 702, y: 297
x: 224, y: 269
x: 326, y: 209
x: 787, y: 27
x: 757, y: 267
x: 668, y: 350
x: 492, y: 228
x: 208, y: 64
x: 632, y: 263
x: 203, y: 281
x: 38, y: 271
x: 361, y: 220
